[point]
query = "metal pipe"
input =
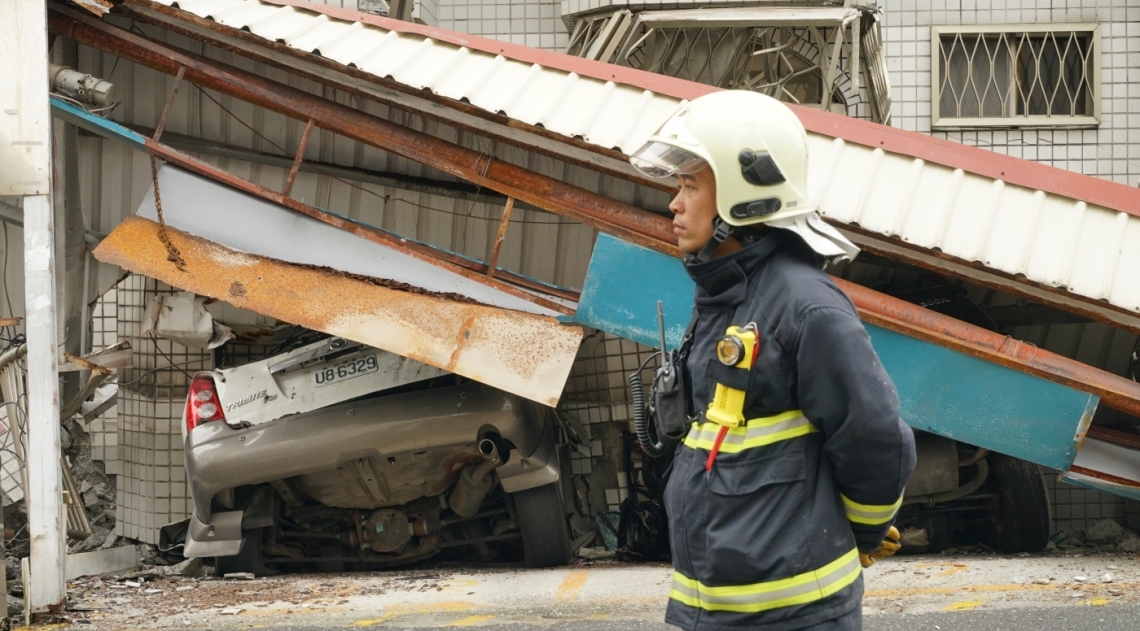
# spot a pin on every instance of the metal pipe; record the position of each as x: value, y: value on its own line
x: 982, y: 452
x: 962, y: 491
x: 475, y: 482
x: 623, y: 220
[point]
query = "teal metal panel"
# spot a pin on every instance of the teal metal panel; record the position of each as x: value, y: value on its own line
x: 624, y: 283
x: 96, y: 124
x: 941, y: 390
x: 985, y: 404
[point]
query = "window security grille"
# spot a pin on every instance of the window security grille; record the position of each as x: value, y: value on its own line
x: 1015, y: 76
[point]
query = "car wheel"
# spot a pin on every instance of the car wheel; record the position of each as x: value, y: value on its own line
x: 1019, y: 516
x: 248, y: 560
x: 542, y: 521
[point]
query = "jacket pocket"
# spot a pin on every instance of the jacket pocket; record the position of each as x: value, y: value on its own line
x: 741, y: 478
x: 753, y: 526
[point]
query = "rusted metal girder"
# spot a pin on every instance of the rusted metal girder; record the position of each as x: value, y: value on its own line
x: 636, y: 225
x: 910, y: 319
x: 513, y: 284
x: 389, y: 92
x: 529, y: 355
x: 454, y: 263
x: 628, y: 222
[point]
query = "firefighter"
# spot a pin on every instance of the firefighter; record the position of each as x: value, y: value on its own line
x: 793, y: 468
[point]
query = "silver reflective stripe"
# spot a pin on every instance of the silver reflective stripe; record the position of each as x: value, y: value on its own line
x: 754, y: 433
x: 796, y: 590
x: 871, y: 514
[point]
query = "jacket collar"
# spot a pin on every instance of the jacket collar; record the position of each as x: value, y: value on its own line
x: 724, y: 281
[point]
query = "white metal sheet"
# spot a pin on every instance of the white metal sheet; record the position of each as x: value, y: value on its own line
x: 223, y: 215
x: 1013, y: 231
x: 746, y: 16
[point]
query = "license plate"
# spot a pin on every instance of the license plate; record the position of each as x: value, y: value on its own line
x: 345, y: 370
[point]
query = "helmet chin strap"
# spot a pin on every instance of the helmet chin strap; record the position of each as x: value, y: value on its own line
x: 721, y: 231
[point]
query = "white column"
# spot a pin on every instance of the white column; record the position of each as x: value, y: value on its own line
x: 44, y: 493
x: 25, y: 169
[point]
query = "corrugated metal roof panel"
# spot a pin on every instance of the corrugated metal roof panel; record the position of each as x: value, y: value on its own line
x: 1052, y: 239
x: 618, y: 116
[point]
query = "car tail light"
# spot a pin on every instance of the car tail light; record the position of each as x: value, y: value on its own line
x: 202, y: 404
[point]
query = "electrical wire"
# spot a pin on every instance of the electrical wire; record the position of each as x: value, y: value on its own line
x: 4, y: 272
x: 154, y: 339
x: 153, y: 370
x: 386, y: 198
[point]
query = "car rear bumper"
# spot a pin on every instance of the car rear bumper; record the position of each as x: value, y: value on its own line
x: 220, y: 457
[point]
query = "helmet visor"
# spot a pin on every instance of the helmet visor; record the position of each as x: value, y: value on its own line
x: 658, y: 160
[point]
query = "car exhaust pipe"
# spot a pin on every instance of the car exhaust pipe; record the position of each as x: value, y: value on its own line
x: 476, y: 481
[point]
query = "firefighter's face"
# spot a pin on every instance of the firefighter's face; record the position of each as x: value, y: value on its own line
x: 694, y: 209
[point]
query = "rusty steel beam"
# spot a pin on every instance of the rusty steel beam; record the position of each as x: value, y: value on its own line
x: 169, y: 104
x: 636, y: 225
x: 623, y: 220
x: 493, y: 261
x: 508, y: 282
x: 910, y: 319
x: 298, y: 158
x: 389, y: 92
x: 451, y: 262
x: 527, y: 354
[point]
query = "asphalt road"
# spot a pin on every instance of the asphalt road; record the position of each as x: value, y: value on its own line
x: 1103, y: 618
x: 1050, y: 592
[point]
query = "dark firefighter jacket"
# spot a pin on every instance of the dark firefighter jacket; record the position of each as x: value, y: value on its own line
x: 769, y: 537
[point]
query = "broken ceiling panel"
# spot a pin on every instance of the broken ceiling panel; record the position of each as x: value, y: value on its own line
x: 526, y: 354
x: 237, y: 220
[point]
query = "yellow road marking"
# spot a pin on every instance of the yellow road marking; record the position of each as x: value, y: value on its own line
x: 471, y: 621
x: 403, y: 610
x: 963, y: 606
x: 1099, y: 601
x: 374, y: 621
x: 571, y: 585
x: 964, y: 588
x: 954, y: 567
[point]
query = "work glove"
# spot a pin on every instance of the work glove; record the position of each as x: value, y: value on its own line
x: 888, y: 547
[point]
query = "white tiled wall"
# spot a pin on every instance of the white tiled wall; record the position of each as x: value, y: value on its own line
x: 1078, y: 508
x: 152, y: 486
x: 535, y: 23
x: 104, y: 430
x: 1111, y: 151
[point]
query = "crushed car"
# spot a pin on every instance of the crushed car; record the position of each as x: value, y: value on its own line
x: 336, y: 455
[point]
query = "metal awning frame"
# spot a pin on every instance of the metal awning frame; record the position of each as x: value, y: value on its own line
x: 386, y: 91
x: 605, y: 214
x: 576, y: 151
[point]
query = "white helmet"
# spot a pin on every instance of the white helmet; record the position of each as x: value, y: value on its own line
x: 757, y: 150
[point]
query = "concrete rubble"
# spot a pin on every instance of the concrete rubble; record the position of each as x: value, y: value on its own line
x: 162, y: 597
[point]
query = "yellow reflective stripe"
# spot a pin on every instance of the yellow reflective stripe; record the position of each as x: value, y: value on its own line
x: 870, y: 514
x: 754, y: 433
x: 796, y: 590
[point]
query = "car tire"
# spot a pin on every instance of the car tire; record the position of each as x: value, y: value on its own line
x: 249, y: 559
x: 1019, y: 516
x: 542, y: 522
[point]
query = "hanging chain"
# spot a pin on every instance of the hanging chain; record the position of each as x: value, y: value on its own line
x: 172, y: 253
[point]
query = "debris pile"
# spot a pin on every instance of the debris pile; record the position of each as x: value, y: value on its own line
x: 1105, y: 535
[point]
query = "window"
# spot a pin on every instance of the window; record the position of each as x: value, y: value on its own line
x: 1027, y: 76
